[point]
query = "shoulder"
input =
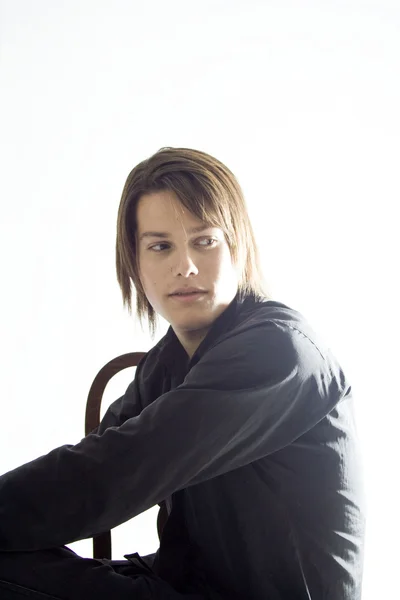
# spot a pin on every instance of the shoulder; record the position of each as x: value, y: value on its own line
x: 267, y: 341
x: 268, y: 322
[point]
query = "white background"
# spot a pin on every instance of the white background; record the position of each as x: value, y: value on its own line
x: 299, y: 99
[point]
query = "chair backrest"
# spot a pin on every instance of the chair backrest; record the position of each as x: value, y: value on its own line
x: 102, y: 542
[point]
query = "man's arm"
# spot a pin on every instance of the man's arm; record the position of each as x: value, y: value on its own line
x: 250, y: 395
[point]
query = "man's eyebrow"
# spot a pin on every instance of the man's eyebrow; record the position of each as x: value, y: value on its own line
x: 163, y: 234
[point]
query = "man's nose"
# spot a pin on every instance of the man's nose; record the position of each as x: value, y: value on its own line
x: 184, y: 265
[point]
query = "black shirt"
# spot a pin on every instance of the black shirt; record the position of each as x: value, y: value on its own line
x: 251, y: 443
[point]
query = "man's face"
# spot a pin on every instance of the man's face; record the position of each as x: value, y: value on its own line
x: 178, y: 252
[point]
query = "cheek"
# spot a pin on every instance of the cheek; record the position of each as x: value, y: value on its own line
x: 151, y: 290
x: 147, y: 275
x: 152, y: 277
x: 149, y: 283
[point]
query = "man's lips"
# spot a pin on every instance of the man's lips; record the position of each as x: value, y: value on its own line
x: 187, y: 291
x: 187, y: 296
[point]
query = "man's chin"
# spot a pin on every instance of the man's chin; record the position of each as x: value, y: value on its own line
x: 188, y: 326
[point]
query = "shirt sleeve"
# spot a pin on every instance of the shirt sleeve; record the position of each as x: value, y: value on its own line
x: 254, y: 392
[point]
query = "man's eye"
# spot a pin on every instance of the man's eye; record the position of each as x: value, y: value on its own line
x: 159, y: 247
x: 207, y: 242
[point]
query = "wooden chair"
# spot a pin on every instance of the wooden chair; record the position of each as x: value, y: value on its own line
x: 102, y: 541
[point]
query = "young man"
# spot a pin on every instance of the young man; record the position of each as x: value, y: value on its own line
x: 239, y: 421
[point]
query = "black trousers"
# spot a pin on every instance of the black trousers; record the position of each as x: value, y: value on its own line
x: 61, y: 574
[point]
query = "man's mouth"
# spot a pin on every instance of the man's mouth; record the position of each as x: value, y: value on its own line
x: 188, y: 296
x: 187, y: 293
